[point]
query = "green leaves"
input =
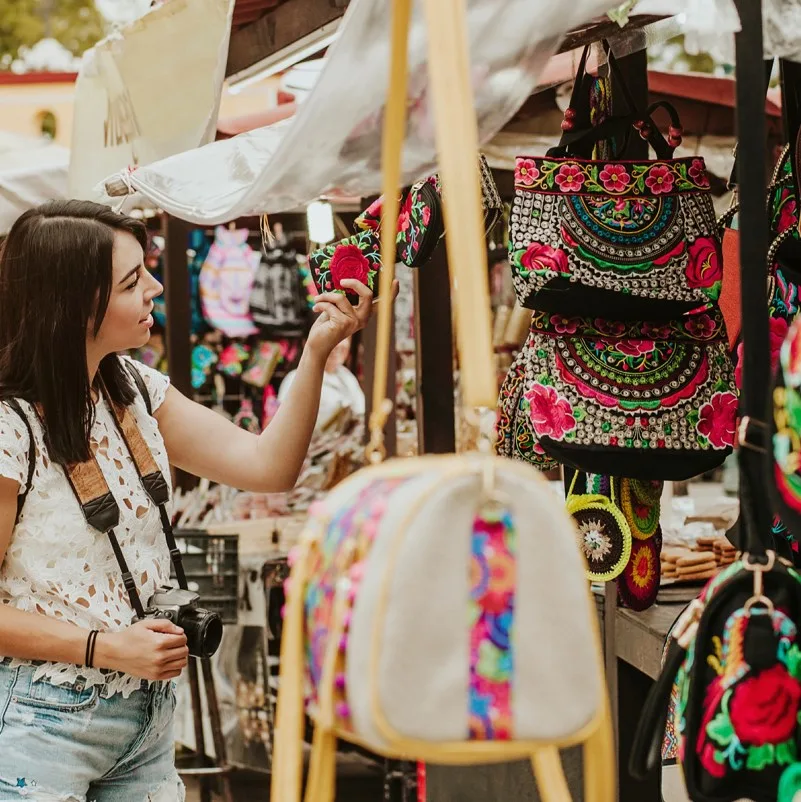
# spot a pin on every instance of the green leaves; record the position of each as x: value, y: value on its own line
x: 759, y: 757
x: 720, y: 729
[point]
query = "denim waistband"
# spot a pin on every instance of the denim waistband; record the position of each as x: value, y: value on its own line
x: 144, y: 684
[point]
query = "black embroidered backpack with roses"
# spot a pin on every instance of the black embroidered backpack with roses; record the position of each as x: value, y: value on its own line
x: 637, y: 239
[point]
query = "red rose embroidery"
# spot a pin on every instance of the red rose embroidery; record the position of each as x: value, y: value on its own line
x: 348, y: 262
x: 659, y: 179
x: 426, y: 215
x: 526, y: 172
x: 539, y: 257
x: 551, y: 414
x: 704, y: 266
x: 788, y: 214
x: 698, y: 174
x: 569, y: 178
x: 700, y: 326
x: 614, y: 177
x: 716, y: 420
x: 764, y: 708
x: 635, y: 347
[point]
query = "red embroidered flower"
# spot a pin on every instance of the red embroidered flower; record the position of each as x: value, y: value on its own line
x: 570, y: 178
x: 788, y: 217
x: 659, y: 179
x: 540, y: 257
x: 698, y: 174
x: 348, y: 262
x: 614, y: 177
x: 764, y: 708
x: 371, y: 219
x: 716, y: 420
x: 700, y: 326
x: 612, y: 328
x: 564, y: 325
x: 704, y: 265
x: 635, y: 347
x: 405, y: 216
x: 551, y: 414
x: 526, y: 172
x: 426, y: 215
x: 778, y: 331
x: 655, y: 331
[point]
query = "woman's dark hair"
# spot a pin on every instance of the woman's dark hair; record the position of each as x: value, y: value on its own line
x: 55, y: 280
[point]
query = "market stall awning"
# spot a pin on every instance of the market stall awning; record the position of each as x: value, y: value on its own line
x: 332, y: 146
x: 32, y: 171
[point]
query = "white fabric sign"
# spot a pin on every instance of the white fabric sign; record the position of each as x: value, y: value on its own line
x: 149, y: 91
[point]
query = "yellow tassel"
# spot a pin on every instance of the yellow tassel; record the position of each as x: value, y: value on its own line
x: 287, y: 768
x: 550, y: 776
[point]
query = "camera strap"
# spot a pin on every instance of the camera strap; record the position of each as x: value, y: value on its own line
x: 96, y: 500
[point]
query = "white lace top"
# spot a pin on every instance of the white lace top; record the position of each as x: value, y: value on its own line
x: 56, y: 564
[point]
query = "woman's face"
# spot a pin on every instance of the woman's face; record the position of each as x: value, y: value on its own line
x: 128, y: 318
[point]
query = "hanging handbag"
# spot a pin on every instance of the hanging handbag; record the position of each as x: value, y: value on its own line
x: 514, y: 433
x: 636, y: 239
x: 488, y: 678
x: 278, y: 298
x: 420, y: 225
x: 655, y: 401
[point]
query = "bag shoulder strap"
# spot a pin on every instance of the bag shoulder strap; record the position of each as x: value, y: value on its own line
x: 17, y: 408
x: 140, y: 385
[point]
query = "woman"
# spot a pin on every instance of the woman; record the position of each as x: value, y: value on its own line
x: 340, y: 387
x: 74, y: 293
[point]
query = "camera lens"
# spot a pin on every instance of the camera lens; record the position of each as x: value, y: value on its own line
x: 204, y: 631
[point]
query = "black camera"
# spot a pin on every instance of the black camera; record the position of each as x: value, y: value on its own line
x: 203, y: 628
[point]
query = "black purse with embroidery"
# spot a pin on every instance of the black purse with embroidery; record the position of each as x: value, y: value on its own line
x: 655, y: 401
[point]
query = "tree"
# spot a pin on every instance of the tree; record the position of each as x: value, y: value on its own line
x: 76, y: 24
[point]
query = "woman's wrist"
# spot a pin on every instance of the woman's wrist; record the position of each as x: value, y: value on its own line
x: 105, y: 655
x: 313, y: 357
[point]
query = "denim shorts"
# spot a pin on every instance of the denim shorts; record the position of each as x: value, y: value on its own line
x: 67, y: 743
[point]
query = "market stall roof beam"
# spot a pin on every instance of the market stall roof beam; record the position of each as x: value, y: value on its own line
x: 289, y: 21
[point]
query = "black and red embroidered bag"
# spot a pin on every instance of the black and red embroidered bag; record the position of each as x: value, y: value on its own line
x: 637, y: 239
x: 651, y: 400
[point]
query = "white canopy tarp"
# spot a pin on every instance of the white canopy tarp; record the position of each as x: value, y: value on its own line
x: 150, y: 90
x: 332, y: 146
x: 32, y: 171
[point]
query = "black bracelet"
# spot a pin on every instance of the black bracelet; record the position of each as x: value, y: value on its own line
x: 90, y: 648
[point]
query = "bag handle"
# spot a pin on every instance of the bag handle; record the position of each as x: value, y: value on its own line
x: 580, y: 136
x: 457, y: 146
x: 754, y: 408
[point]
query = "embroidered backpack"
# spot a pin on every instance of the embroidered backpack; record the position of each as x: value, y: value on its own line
x: 420, y: 619
x: 226, y: 279
x: 278, y: 297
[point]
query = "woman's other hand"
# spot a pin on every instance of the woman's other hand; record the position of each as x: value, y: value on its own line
x: 153, y: 649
